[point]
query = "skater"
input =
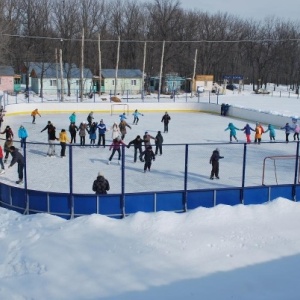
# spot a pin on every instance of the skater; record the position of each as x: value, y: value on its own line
x: 214, y: 161
x: 232, y: 134
x: 123, y: 124
x: 116, y: 146
x: 22, y: 134
x: 63, y: 139
x: 7, y: 146
x: 136, y: 115
x: 115, y: 131
x: 9, y: 135
x: 271, y: 130
x: 1, y: 117
x: 101, y: 133
x: 2, y: 171
x: 137, y: 144
x: 166, y: 119
x: 51, y: 141
x: 17, y: 157
x: 147, y: 139
x: 158, y: 143
x: 296, y: 132
x: 122, y: 117
x: 247, y: 130
x: 73, y: 130
x: 82, y: 133
x: 72, y: 118
x: 93, y: 134
x: 288, y: 129
x: 148, y: 155
x: 259, y: 130
x: 101, y: 185
x: 90, y: 118
x: 33, y: 114
x: 49, y: 127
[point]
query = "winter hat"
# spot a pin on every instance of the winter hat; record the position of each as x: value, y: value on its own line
x: 100, y: 174
x: 146, y: 132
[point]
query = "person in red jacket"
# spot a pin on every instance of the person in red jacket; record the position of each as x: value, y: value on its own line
x: 1, y: 161
x: 116, y: 146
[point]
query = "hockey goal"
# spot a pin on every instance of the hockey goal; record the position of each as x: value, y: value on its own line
x: 279, y: 169
x: 117, y: 108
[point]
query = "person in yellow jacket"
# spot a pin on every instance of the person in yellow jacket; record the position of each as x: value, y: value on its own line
x: 33, y: 114
x: 63, y: 138
x: 259, y: 130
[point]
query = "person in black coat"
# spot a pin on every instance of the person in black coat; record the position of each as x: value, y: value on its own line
x: 166, y: 119
x: 17, y: 157
x: 137, y: 144
x: 101, y: 185
x: 149, y: 156
x: 158, y: 143
x: 214, y: 161
x: 73, y: 130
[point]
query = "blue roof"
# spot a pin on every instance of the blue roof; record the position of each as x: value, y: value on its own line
x: 6, y: 71
x: 122, y: 73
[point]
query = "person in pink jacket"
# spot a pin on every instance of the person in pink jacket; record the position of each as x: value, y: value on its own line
x: 116, y: 147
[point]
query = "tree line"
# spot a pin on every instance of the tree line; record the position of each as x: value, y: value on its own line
x: 262, y: 51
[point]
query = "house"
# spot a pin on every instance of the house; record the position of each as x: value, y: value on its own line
x: 9, y: 81
x: 203, y: 81
x: 128, y: 81
x: 47, y: 76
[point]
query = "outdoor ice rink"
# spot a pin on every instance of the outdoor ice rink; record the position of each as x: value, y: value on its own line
x: 202, y: 131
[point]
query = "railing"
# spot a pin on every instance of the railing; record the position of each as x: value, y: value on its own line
x: 178, y: 181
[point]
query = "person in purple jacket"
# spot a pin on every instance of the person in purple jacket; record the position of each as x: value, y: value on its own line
x: 247, y: 130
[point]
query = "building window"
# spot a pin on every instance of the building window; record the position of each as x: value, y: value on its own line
x: 133, y: 82
x: 53, y: 82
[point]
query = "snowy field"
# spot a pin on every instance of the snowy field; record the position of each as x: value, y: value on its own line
x: 241, y: 252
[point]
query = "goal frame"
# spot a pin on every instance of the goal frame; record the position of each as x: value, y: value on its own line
x: 125, y: 109
x: 281, y: 157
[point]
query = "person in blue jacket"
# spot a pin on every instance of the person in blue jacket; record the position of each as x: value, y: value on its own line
x: 72, y: 118
x: 288, y: 129
x: 271, y: 130
x: 101, y: 133
x: 232, y: 129
x: 122, y: 117
x: 247, y: 130
x: 136, y: 115
x: 22, y: 134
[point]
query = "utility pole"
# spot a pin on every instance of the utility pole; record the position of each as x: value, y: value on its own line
x: 161, y: 68
x: 117, y: 65
x: 61, y: 77
x: 100, y: 67
x: 81, y: 66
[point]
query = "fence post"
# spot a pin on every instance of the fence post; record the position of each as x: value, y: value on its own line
x: 185, y: 177
x: 296, y: 173
x: 25, y: 181
x: 122, y: 204
x: 244, y: 174
x: 71, y: 199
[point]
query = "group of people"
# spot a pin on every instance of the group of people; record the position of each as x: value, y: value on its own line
x: 259, y: 131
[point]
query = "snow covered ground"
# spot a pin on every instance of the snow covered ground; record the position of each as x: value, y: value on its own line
x: 241, y: 252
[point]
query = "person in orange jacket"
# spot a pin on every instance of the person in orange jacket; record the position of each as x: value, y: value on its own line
x: 33, y: 114
x: 259, y: 130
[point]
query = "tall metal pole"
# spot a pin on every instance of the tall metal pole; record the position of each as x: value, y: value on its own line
x: 100, y: 65
x: 56, y: 63
x: 117, y: 65
x: 62, y: 87
x: 194, y: 73
x: 81, y: 66
x: 143, y: 76
x: 161, y: 68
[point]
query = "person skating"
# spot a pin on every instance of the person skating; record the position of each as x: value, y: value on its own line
x: 232, y: 133
x: 247, y: 130
x: 82, y: 133
x: 93, y: 134
x: 115, y: 131
x: 48, y: 127
x: 147, y: 139
x: 296, y: 132
x: 7, y: 145
x: 18, y: 158
x: 166, y: 119
x: 23, y: 135
x: 147, y: 155
x: 34, y: 113
x: 288, y: 129
x: 122, y: 117
x: 101, y: 133
x: 73, y: 130
x: 9, y: 135
x: 123, y: 124
x: 214, y: 161
x: 271, y: 131
x: 136, y: 115
x: 137, y: 144
x: 72, y: 118
x: 63, y: 139
x: 116, y: 147
x: 259, y: 130
x: 2, y: 171
x: 101, y: 185
x: 158, y: 143
x: 90, y: 118
x: 51, y: 141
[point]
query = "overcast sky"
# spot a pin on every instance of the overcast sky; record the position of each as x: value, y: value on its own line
x: 255, y: 9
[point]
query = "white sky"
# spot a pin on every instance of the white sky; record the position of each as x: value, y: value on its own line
x: 256, y: 9
x: 241, y: 252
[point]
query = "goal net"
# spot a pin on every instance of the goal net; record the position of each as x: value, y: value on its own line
x: 279, y: 170
x: 117, y: 108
